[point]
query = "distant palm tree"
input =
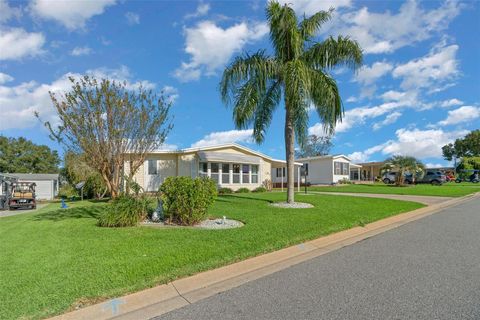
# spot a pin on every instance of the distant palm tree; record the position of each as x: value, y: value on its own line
x: 402, y: 165
x: 298, y: 70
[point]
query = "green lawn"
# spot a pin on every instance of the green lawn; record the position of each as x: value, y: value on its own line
x: 445, y: 190
x: 53, y: 259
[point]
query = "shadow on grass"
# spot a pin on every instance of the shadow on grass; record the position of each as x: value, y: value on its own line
x: 235, y: 197
x: 72, y: 213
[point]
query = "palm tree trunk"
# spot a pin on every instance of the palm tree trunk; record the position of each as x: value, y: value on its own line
x: 290, y: 154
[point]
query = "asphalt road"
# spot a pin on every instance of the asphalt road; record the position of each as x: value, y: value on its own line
x: 427, y: 269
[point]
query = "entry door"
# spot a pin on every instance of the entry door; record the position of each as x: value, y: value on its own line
x: 152, y: 175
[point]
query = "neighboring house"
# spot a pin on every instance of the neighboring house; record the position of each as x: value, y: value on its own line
x: 327, y: 169
x: 46, y: 184
x: 371, y: 170
x: 230, y: 165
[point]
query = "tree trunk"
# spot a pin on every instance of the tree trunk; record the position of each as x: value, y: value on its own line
x: 290, y: 154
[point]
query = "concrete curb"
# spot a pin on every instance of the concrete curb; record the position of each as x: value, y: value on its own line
x: 159, y: 300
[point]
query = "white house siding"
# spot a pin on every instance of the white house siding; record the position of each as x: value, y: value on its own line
x: 338, y: 177
x: 319, y: 171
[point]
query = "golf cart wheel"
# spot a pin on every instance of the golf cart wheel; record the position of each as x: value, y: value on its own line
x: 386, y: 181
x: 436, y: 183
x: 458, y: 180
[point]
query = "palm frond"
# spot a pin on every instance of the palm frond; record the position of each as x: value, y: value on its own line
x: 309, y: 26
x: 264, y: 111
x: 284, y: 33
x: 244, y: 68
x: 334, y: 52
x: 326, y: 99
x: 247, y: 99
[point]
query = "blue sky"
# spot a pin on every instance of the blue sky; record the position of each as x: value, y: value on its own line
x: 418, y: 90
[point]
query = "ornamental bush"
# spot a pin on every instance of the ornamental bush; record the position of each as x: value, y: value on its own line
x: 259, y: 189
x: 124, y: 211
x: 186, y: 200
x: 243, y: 190
x: 225, y: 191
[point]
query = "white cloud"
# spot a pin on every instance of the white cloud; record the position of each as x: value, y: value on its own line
x: 421, y: 144
x: 389, y: 119
x: 4, y: 78
x: 431, y: 71
x: 7, y: 12
x: 211, y: 46
x: 171, y: 93
x: 72, y: 14
x: 433, y: 165
x: 310, y: 7
x: 352, y: 99
x: 451, y: 103
x: 367, y: 76
x: 132, y: 18
x: 461, y: 115
x: 20, y: 101
x: 81, y: 51
x: 222, y: 137
x: 16, y: 43
x: 202, y: 9
x: 168, y: 146
x: 386, y: 32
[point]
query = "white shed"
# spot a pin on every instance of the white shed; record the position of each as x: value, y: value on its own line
x: 46, y: 184
x: 327, y: 169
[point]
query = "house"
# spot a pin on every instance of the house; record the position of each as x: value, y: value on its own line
x: 328, y: 169
x: 46, y: 184
x: 371, y: 170
x: 230, y: 165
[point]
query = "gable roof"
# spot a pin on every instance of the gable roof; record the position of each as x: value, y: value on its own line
x: 221, y: 146
x: 31, y: 176
x: 329, y: 156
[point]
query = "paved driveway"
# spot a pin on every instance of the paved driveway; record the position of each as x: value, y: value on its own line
x: 427, y: 269
x: 428, y: 200
x: 8, y: 213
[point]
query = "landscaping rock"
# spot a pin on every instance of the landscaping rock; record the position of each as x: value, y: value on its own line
x: 295, y: 205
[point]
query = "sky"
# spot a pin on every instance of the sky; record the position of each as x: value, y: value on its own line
x: 419, y: 87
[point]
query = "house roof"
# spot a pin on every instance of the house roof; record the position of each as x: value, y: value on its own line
x: 329, y: 156
x: 221, y: 146
x: 31, y: 176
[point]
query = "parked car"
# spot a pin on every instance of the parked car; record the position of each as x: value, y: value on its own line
x: 473, y: 178
x: 433, y: 177
x: 389, y: 177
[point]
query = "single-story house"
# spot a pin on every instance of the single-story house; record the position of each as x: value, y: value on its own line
x: 371, y: 170
x: 230, y: 165
x: 46, y: 184
x: 328, y: 169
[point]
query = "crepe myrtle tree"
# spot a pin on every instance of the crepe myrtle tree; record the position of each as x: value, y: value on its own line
x: 111, y: 123
x: 298, y: 71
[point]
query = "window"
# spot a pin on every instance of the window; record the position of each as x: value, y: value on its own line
x: 203, y: 169
x: 304, y: 169
x: 338, y: 167
x: 225, y: 173
x: 214, y: 172
x: 236, y: 173
x: 245, y: 173
x: 279, y: 172
x: 152, y: 167
x: 345, y: 168
x: 254, y: 173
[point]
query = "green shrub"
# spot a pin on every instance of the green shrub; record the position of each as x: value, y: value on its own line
x: 344, y: 181
x: 67, y: 191
x: 243, y: 190
x: 225, y: 191
x: 124, y: 211
x: 186, y: 200
x: 260, y: 189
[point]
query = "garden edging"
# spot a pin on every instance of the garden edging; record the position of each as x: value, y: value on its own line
x: 164, y: 298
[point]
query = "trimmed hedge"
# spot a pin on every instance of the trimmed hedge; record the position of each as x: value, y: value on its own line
x: 243, y: 190
x: 186, y: 200
x: 259, y: 189
x: 225, y: 191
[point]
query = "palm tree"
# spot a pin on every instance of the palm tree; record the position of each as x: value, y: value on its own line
x: 298, y: 71
x: 401, y: 165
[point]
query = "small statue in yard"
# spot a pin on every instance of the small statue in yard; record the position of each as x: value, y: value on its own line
x: 64, y: 205
x: 158, y: 215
